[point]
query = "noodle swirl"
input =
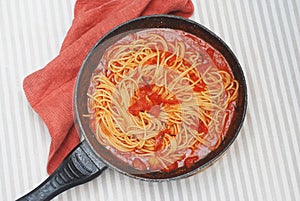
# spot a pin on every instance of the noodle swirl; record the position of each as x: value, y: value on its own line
x: 159, y: 99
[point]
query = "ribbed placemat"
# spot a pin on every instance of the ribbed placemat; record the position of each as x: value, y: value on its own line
x: 263, y: 163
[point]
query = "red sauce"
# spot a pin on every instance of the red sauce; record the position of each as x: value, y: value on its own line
x: 146, y: 99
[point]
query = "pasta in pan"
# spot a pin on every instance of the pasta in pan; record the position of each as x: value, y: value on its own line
x: 161, y: 99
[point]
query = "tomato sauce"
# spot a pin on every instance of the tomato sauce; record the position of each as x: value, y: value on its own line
x: 147, y: 99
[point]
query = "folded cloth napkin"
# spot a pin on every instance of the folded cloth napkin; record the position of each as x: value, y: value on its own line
x: 50, y: 89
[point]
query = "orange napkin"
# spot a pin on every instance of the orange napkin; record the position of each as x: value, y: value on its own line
x: 50, y: 89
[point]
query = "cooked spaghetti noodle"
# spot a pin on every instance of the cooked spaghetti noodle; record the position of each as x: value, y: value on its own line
x: 161, y: 99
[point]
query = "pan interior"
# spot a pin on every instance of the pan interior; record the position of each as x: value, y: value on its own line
x: 92, y: 62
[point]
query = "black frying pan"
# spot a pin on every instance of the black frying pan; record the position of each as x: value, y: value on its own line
x: 90, y: 158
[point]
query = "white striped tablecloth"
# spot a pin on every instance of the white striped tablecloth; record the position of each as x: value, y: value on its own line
x: 263, y: 163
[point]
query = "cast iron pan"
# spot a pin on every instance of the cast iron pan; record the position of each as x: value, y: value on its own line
x: 90, y: 158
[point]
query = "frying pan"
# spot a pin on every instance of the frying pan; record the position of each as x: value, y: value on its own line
x: 89, y: 159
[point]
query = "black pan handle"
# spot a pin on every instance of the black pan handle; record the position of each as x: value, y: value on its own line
x: 80, y: 166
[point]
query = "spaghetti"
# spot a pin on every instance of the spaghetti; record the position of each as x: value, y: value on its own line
x: 161, y: 99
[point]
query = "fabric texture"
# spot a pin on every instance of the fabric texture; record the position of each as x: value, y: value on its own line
x: 50, y: 89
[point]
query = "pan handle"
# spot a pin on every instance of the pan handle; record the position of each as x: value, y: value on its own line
x: 80, y: 166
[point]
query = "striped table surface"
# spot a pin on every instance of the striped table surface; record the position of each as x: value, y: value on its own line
x: 263, y: 163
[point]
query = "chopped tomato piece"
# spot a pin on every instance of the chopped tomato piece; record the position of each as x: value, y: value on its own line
x: 139, y: 106
x: 171, y: 167
x: 159, y: 141
x: 200, y: 86
x: 154, y: 97
x: 202, y: 128
x: 190, y: 161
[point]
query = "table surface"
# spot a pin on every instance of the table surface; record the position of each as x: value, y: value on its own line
x: 263, y: 163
